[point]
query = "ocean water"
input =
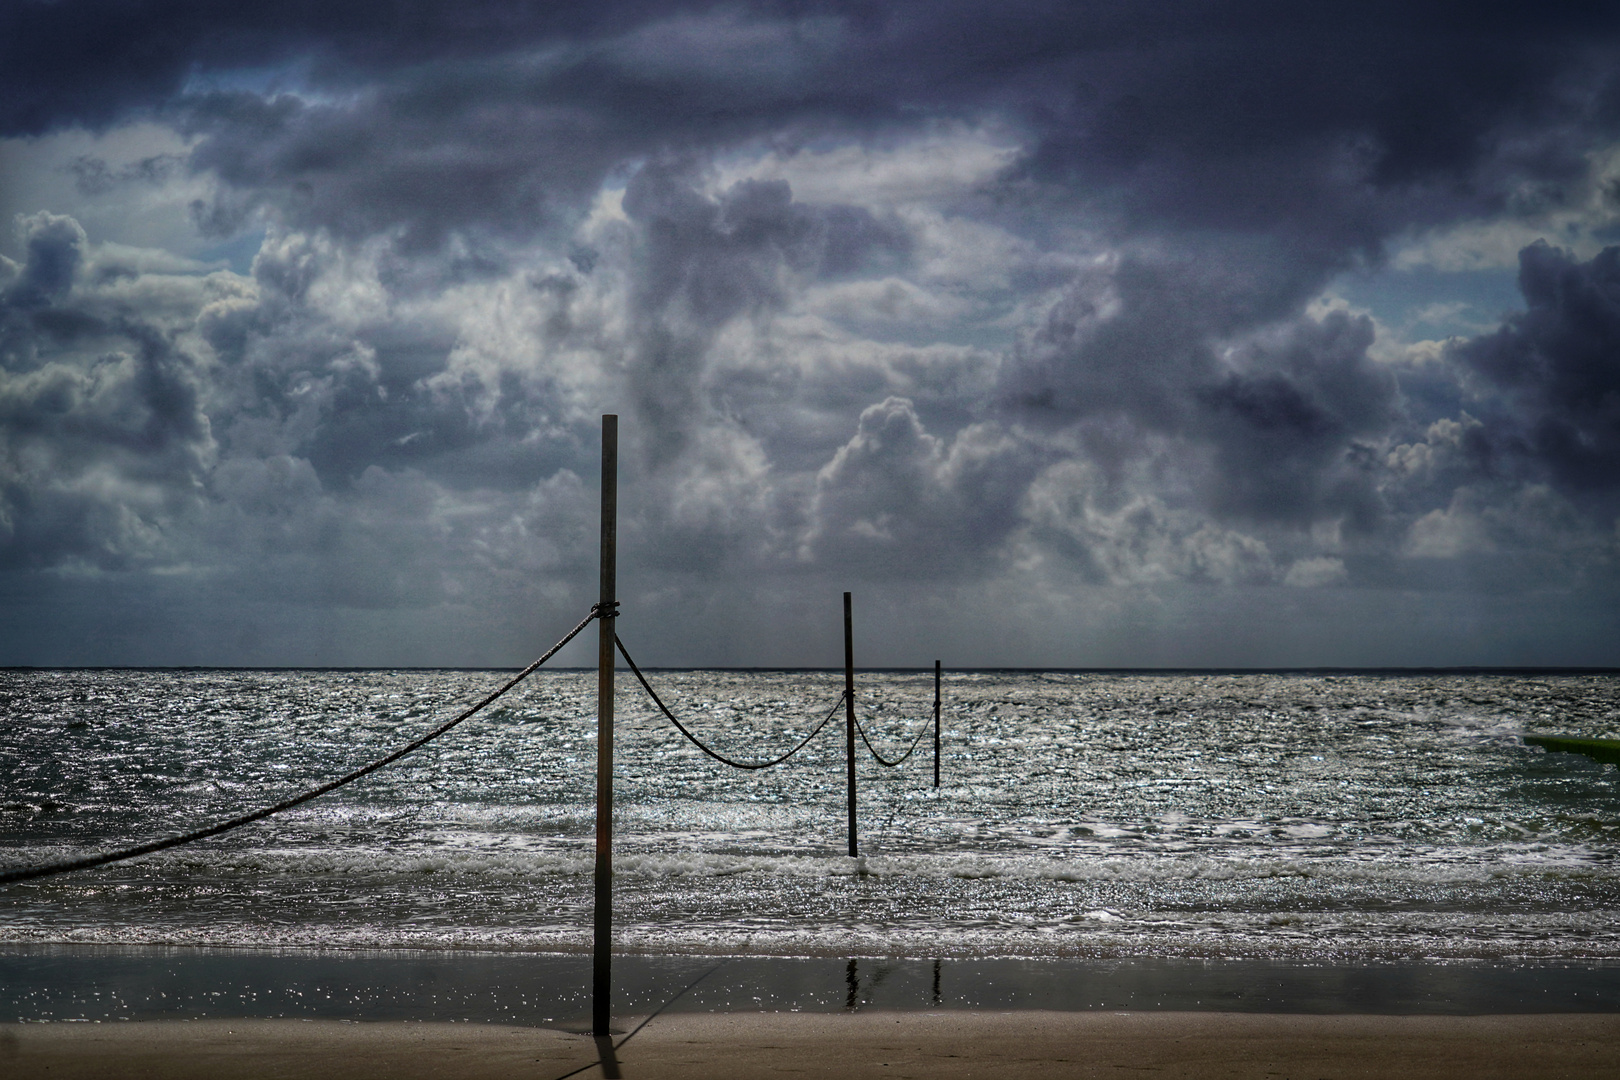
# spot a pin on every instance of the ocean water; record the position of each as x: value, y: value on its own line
x: 1330, y: 819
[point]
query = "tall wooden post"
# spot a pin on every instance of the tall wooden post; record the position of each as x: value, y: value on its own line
x: 849, y: 715
x: 936, y: 725
x: 602, y: 941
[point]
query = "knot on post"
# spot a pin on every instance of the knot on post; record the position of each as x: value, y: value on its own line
x: 609, y: 610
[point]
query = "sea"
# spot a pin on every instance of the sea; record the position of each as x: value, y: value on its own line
x: 1341, y: 820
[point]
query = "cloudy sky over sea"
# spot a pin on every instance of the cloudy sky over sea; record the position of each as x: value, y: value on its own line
x: 1066, y: 334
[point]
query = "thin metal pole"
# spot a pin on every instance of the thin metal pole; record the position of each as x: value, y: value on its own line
x: 936, y: 723
x: 602, y: 942
x: 849, y: 715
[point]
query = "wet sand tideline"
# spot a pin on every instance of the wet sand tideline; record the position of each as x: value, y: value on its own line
x: 57, y: 982
x: 870, y: 1044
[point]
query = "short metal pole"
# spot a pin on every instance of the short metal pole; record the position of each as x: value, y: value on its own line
x: 936, y: 723
x: 602, y: 941
x: 849, y: 715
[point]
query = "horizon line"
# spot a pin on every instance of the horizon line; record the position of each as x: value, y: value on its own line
x: 1429, y: 669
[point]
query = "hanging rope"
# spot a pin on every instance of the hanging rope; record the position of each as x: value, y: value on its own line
x: 29, y: 873
x: 642, y: 679
x: 881, y: 760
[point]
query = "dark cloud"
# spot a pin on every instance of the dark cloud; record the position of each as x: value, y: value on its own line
x: 415, y: 168
x: 94, y: 61
x: 1554, y: 372
x: 1304, y: 121
x: 707, y: 261
x: 1084, y: 346
x: 1266, y: 118
x: 1199, y: 353
x: 93, y: 176
x: 55, y: 250
x: 1294, y: 424
x: 1136, y: 335
x: 103, y: 438
x: 220, y: 430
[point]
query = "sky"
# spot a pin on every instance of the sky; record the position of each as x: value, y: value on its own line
x: 1124, y: 334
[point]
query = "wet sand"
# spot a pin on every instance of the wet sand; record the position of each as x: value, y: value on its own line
x: 61, y: 983
x: 939, y: 1044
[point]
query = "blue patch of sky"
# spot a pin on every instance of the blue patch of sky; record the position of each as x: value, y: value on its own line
x: 236, y: 253
x: 1423, y: 303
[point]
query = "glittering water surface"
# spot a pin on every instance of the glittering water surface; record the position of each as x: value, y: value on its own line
x: 1298, y: 817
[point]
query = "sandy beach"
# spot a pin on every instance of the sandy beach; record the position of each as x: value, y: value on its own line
x: 942, y: 1044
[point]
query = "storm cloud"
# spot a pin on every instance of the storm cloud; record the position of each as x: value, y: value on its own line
x: 1131, y: 322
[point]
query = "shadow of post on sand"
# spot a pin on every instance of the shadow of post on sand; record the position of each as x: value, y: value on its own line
x: 609, y: 1060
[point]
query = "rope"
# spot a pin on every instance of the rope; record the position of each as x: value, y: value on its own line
x: 694, y: 739
x: 881, y: 760
x: 29, y: 873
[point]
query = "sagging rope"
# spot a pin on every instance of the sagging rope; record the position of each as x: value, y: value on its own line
x: 695, y: 741
x: 8, y: 877
x: 881, y: 760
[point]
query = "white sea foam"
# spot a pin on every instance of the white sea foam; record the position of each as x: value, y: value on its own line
x: 1451, y: 866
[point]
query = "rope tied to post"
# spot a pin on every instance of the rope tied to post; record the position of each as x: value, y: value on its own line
x: 88, y: 862
x: 881, y: 760
x: 695, y: 741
